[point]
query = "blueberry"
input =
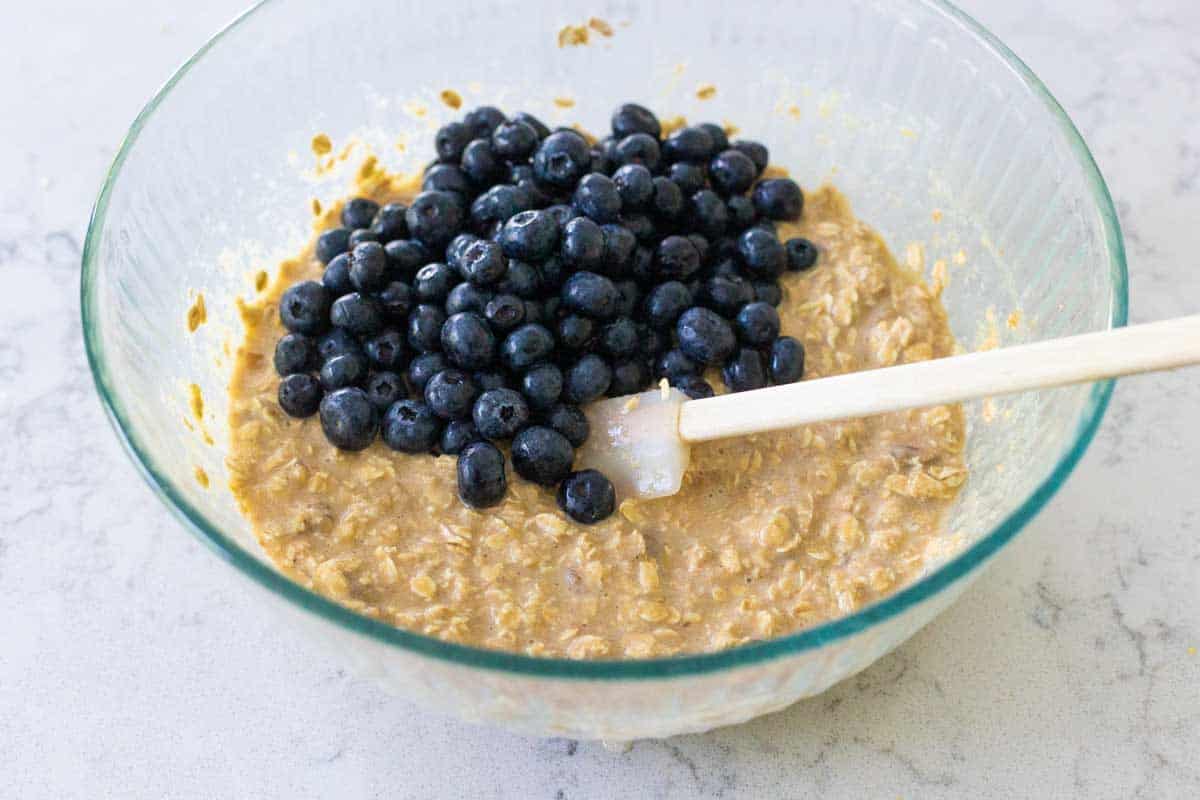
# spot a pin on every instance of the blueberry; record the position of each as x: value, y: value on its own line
x: 522, y: 279
x: 542, y: 455
x: 596, y: 197
x: 582, y: 244
x: 410, y: 426
x: 539, y: 128
x: 688, y: 144
x: 433, y: 282
x: 336, y: 278
x: 709, y: 214
x: 332, y: 242
x: 664, y: 303
x: 694, y: 386
x: 387, y: 350
x: 745, y: 371
x: 667, y: 203
x: 732, y: 172
x: 451, y: 394
x: 294, y: 352
x: 586, y: 379
x: 756, y: 152
x: 504, y: 312
x: 725, y: 294
x: 628, y: 377
x: 628, y: 296
x: 457, y: 434
x: 335, y: 343
x: 591, y: 295
x: 480, y: 162
x: 619, y: 244
x: 481, y: 479
x: 761, y: 253
x: 530, y: 236
x: 299, y: 395
x: 446, y: 178
x: 385, y: 388
x: 498, y: 204
x: 674, y: 364
x: 787, y: 360
x: 358, y: 313
x: 467, y: 340
x: 757, y: 324
x: 768, y: 292
x: 742, y: 213
x: 542, y: 385
x: 689, y: 177
x: 676, y: 258
x: 483, y: 120
x: 304, y: 308
x: 468, y: 297
x: 396, y: 299
x: 450, y: 141
x: 801, y: 254
x: 526, y: 346
x: 434, y: 218
x: 425, y: 328
x: 360, y: 235
x: 570, y: 422
x: 514, y: 140
x: 500, y: 413
x: 487, y: 380
x: 632, y: 118
x: 641, y: 226
x: 348, y: 419
x: 635, y: 184
x: 368, y: 267
x: 562, y: 214
x: 406, y: 256
x: 483, y: 262
x: 587, y: 496
x: 561, y: 159
x: 719, y: 138
x: 704, y: 336
x: 424, y: 367
x: 778, y: 198
x: 619, y: 338
x: 575, y: 332
x: 359, y: 213
x: 638, y: 148
x: 349, y: 369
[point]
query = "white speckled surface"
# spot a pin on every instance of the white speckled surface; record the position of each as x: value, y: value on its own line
x: 134, y: 664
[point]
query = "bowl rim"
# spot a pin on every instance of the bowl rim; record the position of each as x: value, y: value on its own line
x: 953, y: 570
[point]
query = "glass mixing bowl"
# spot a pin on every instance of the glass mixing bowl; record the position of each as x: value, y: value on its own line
x: 940, y: 136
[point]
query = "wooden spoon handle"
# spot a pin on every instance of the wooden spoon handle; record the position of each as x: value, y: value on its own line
x: 1056, y: 362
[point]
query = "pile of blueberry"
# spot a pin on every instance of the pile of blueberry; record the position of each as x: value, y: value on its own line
x: 533, y: 274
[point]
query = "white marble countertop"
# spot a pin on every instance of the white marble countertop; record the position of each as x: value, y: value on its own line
x: 133, y: 663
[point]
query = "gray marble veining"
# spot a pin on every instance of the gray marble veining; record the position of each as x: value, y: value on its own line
x: 134, y: 664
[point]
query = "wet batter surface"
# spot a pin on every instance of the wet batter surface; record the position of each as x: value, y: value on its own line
x: 769, y: 534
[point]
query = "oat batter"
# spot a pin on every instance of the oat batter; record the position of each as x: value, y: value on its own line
x: 768, y: 535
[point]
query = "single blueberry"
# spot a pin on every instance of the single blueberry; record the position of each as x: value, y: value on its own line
x: 447, y: 178
x: 299, y: 395
x: 801, y: 254
x: 619, y: 338
x: 522, y: 279
x: 450, y: 141
x: 348, y: 419
x: 596, y: 197
x: 359, y: 313
x: 498, y: 204
x: 387, y: 350
x: 542, y: 455
x: 719, y: 137
x: 635, y: 184
x: 514, y: 140
x: 526, y: 346
x: 481, y: 479
x: 385, y: 388
x: 434, y: 218
x: 632, y: 118
x: 787, y: 360
x: 483, y: 262
x: 676, y: 258
x: 451, y: 394
x: 468, y: 297
x: 304, y: 308
x: 360, y: 235
x: 745, y: 371
x: 590, y: 294
x: 338, y: 372
x: 336, y: 277
x: 433, y: 282
x: 694, y: 386
x: 500, y: 413
x: 335, y: 343
x: 457, y: 434
x: 768, y: 292
x: 778, y: 198
x: 389, y: 224
x: 674, y: 364
x: 709, y: 215
x: 667, y: 202
x: 586, y: 379
x: 396, y: 300
x: 761, y: 253
x: 725, y: 294
x: 628, y: 377
x: 425, y: 328
x: 575, y: 331
x: 742, y: 213
x: 359, y: 212
x: 704, y: 336
x: 542, y: 385
x: 561, y: 159
x: 483, y: 120
x: 530, y: 236
x: 619, y: 244
x: 480, y: 162
x: 756, y: 152
x: 539, y: 127
x: 582, y: 244
x: 332, y: 242
x: 424, y: 367
x: 504, y: 312
x: 294, y: 352
x: 406, y: 256
x: 757, y: 324
x: 638, y: 148
x: 467, y: 340
x: 368, y: 267
x: 688, y: 144
x: 570, y: 422
x: 732, y: 172
x: 690, y: 178
x: 410, y: 426
x: 587, y: 496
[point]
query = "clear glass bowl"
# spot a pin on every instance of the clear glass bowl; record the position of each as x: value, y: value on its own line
x: 909, y: 106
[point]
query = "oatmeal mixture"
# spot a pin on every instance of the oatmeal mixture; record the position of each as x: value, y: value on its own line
x: 769, y: 534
